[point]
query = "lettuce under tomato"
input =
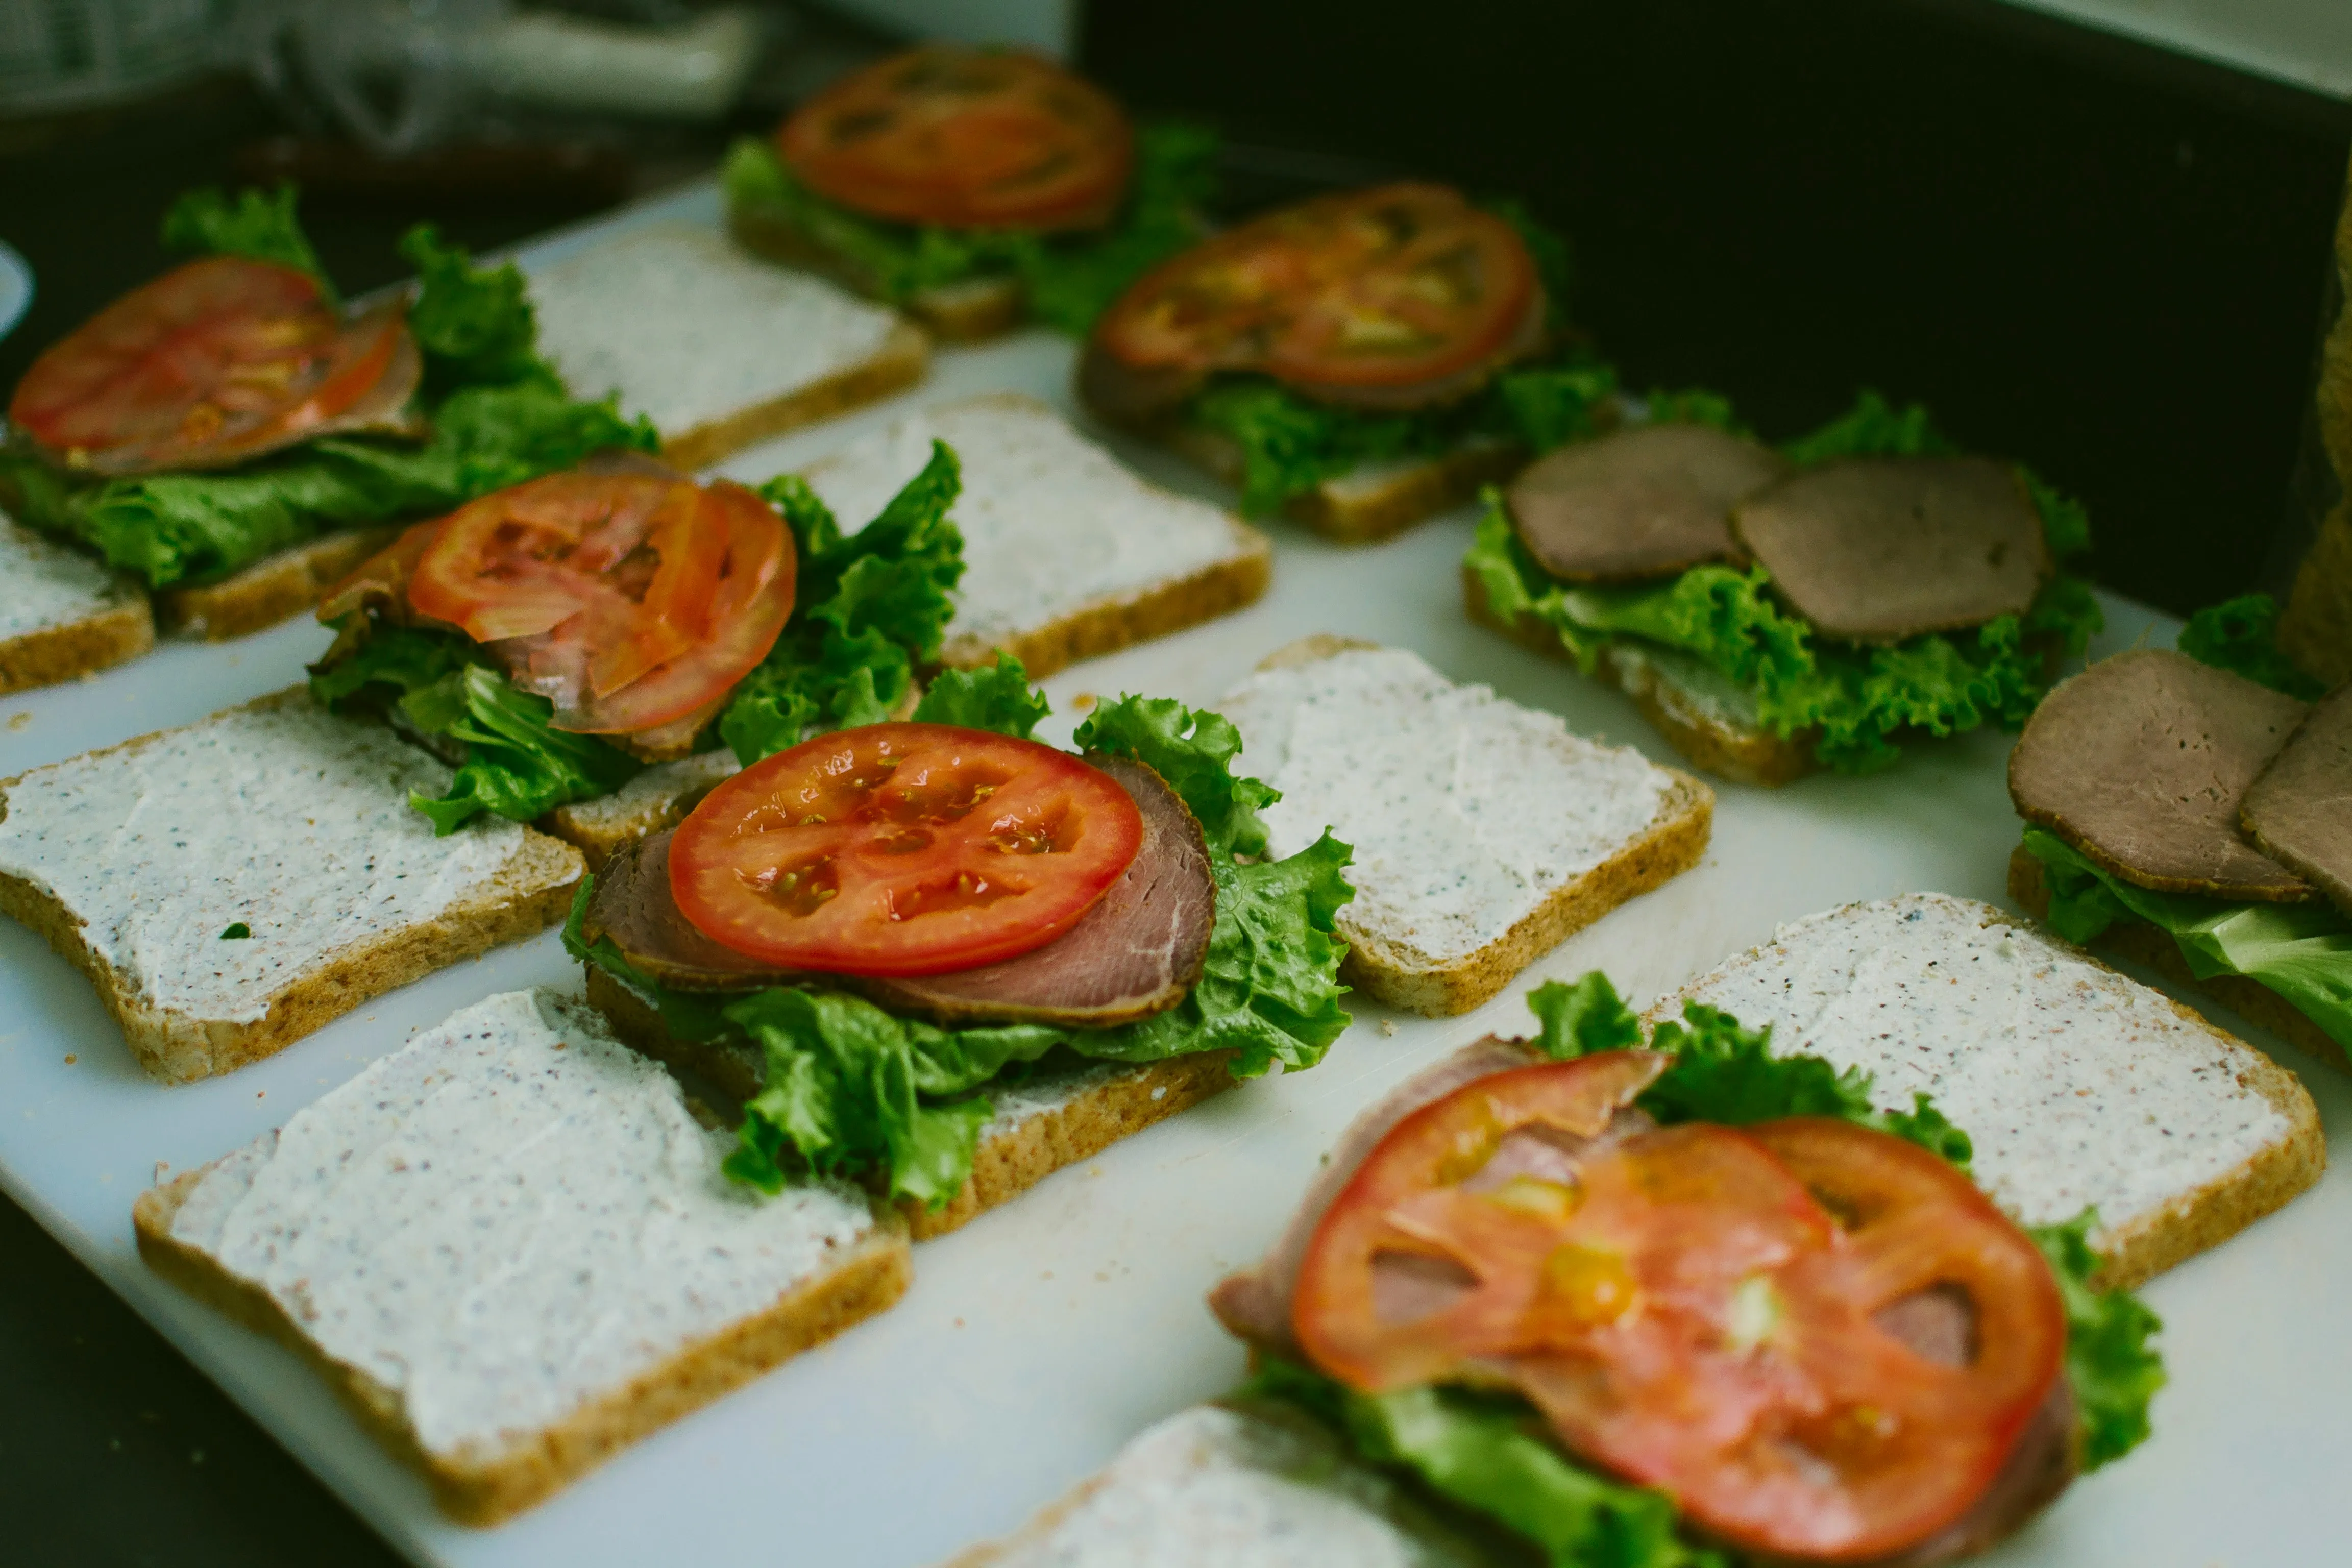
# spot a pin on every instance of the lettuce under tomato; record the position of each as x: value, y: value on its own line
x: 1068, y: 279
x: 257, y: 225
x: 851, y: 1087
x: 996, y: 697
x: 499, y: 414
x: 2301, y: 952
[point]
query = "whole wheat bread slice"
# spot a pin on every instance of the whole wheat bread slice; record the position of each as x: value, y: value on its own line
x: 62, y: 613
x: 1400, y: 949
x: 273, y: 589
x: 340, y: 887
x: 1376, y: 501
x: 859, y: 1268
x: 720, y: 349
x: 2139, y: 942
x: 2077, y: 1084
x: 1058, y: 1118
x: 967, y: 312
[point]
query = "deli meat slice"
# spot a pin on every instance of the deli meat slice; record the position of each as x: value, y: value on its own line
x: 2142, y: 762
x: 1138, y: 950
x: 1638, y: 503
x: 2300, y: 811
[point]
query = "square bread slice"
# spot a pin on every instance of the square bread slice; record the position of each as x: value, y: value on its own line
x: 718, y: 348
x: 1377, y: 499
x: 1067, y: 554
x: 1704, y: 714
x: 1060, y: 1115
x: 1248, y: 1485
x: 2077, y: 1085
x: 273, y: 589
x: 510, y: 1248
x: 232, y: 886
x: 1484, y: 833
x: 62, y: 613
x: 2139, y: 942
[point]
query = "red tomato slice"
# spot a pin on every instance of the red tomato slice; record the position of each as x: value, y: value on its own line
x: 635, y: 600
x: 964, y: 138
x: 902, y: 849
x: 1395, y: 286
x: 214, y: 363
x: 1698, y: 1308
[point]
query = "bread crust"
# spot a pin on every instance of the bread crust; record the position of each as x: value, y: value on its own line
x: 482, y: 1486
x: 124, y: 629
x: 274, y: 588
x: 901, y: 361
x: 1007, y: 1163
x: 531, y: 892
x: 1354, y: 511
x: 971, y: 312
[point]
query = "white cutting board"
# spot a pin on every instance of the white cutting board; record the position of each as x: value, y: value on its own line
x: 1039, y: 1339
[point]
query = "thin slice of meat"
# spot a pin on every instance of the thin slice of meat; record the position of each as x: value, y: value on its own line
x: 630, y: 902
x: 1137, y: 952
x: 1879, y: 548
x: 2142, y: 762
x: 1640, y: 503
x: 2300, y: 810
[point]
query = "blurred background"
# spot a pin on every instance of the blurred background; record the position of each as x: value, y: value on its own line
x: 2090, y: 234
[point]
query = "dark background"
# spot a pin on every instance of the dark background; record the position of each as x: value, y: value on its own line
x: 2098, y: 258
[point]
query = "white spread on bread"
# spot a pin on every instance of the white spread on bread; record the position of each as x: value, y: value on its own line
x: 688, y: 329
x: 511, y: 1215
x: 283, y: 819
x: 44, y: 584
x: 1215, y: 1485
x: 1465, y: 811
x: 1051, y: 522
x: 2077, y: 1085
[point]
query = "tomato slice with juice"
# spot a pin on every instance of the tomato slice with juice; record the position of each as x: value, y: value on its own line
x: 902, y: 849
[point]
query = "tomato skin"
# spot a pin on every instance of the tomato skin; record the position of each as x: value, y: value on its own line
x: 1698, y: 1308
x: 964, y: 138
x: 902, y: 849
x: 1363, y: 297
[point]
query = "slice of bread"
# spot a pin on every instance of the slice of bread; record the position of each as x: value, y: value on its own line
x: 1059, y: 1116
x: 275, y: 588
x: 1704, y: 715
x: 506, y: 1321
x: 965, y: 312
x: 658, y: 799
x: 720, y: 349
x: 1068, y: 554
x: 2139, y: 942
x: 2077, y: 1085
x: 62, y: 614
x: 1484, y: 833
x: 1247, y: 1485
x: 231, y: 886
x: 1373, y: 501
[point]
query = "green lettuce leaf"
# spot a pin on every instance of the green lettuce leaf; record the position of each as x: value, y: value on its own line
x: 867, y: 607
x: 1873, y: 427
x: 1692, y: 405
x: 997, y: 697
x: 474, y: 324
x: 1483, y: 1452
x: 257, y: 225
x: 2113, y: 1371
x: 2240, y: 635
x: 1195, y: 751
x: 2302, y: 952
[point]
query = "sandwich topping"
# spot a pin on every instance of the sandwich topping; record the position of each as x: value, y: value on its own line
x: 1399, y: 296
x: 2300, y: 810
x: 217, y: 361
x: 964, y: 138
x: 1638, y: 503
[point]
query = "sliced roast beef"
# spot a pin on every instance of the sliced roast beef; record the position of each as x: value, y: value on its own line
x: 1879, y: 548
x: 2142, y: 762
x: 1137, y: 952
x: 2300, y: 810
x: 1639, y: 504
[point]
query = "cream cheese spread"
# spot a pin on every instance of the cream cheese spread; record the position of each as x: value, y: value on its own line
x: 508, y: 1218
x: 688, y: 329
x: 1465, y: 811
x: 280, y: 818
x: 1225, y: 1487
x: 2077, y: 1085
x: 44, y: 584
x: 1052, y: 523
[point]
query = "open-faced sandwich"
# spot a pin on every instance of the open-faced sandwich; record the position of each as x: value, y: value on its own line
x: 234, y: 437
x: 1773, y: 612
x: 1361, y: 360
x: 972, y: 187
x: 946, y: 959
x: 1589, y: 1299
x: 2199, y: 821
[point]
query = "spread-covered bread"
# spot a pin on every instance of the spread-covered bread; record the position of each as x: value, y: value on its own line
x: 1638, y: 503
